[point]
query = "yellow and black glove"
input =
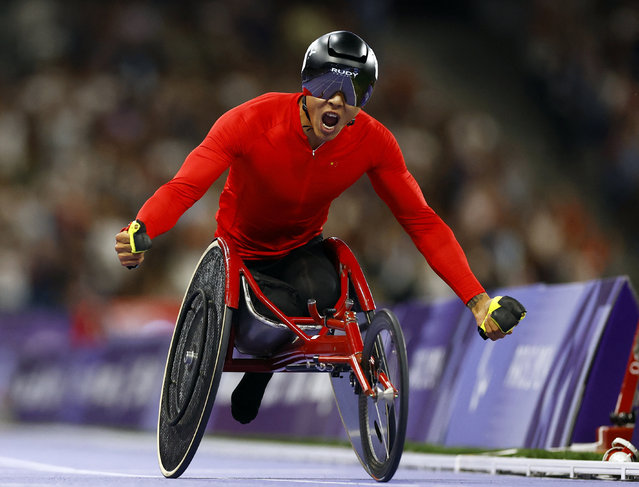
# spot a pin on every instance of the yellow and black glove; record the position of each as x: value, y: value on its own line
x: 138, y: 238
x: 140, y: 241
x: 505, y: 311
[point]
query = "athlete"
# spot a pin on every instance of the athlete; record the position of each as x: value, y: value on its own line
x: 289, y: 156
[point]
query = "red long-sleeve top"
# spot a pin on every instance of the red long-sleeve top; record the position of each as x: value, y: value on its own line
x: 278, y: 190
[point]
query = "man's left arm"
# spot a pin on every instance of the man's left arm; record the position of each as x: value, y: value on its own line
x: 435, y: 240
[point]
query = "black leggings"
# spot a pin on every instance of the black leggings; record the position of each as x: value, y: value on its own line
x: 306, y: 273
x: 289, y: 282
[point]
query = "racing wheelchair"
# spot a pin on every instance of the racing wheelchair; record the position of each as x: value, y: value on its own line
x: 360, y: 348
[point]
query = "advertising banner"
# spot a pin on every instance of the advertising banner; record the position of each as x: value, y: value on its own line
x: 34, y: 332
x: 436, y: 335
x: 606, y: 369
x: 552, y: 383
x: 116, y: 384
x: 507, y: 387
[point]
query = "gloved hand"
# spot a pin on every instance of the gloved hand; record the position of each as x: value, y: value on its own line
x: 138, y: 238
x: 506, y: 313
x: 131, y: 243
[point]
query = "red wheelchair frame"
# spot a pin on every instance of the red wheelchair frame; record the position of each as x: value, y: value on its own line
x: 336, y: 345
x: 323, y: 348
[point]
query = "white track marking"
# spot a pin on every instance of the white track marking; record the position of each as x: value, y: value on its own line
x: 8, y: 462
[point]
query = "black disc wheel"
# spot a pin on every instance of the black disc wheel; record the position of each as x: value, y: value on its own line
x: 194, y: 365
x: 383, y: 415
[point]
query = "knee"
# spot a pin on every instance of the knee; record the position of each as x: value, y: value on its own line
x: 317, y: 279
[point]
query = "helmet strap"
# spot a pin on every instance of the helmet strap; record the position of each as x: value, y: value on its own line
x: 305, y: 108
x: 351, y: 122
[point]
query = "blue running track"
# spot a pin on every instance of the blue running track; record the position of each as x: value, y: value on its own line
x: 54, y: 455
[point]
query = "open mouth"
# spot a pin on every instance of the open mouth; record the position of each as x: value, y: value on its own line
x: 330, y: 119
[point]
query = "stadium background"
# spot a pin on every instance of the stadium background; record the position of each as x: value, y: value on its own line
x: 520, y: 123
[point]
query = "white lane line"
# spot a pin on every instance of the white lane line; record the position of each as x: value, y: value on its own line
x: 395, y: 482
x: 320, y: 481
x: 8, y: 462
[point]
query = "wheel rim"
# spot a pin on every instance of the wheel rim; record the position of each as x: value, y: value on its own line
x: 187, y: 360
x: 383, y: 415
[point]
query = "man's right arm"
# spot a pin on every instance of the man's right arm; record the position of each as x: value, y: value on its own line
x: 199, y: 171
x: 201, y: 168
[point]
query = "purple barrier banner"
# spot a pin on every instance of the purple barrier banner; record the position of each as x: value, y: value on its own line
x: 294, y: 405
x: 436, y: 336
x: 607, y: 369
x: 34, y: 332
x: 552, y: 423
x: 502, y: 383
x: 115, y: 384
x: 526, y: 391
x: 551, y: 383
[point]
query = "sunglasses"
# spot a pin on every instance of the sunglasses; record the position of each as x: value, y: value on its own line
x: 353, y: 85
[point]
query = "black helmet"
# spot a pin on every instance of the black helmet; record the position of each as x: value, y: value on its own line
x: 340, y: 61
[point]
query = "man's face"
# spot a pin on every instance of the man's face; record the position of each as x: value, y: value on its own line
x: 329, y: 117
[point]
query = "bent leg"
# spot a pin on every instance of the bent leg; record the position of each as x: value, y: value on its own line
x: 306, y: 273
x: 247, y: 396
x: 309, y: 271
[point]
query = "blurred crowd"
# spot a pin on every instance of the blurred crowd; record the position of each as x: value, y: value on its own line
x: 100, y: 102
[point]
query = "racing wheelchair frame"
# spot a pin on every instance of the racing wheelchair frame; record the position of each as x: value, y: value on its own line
x: 366, y: 360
